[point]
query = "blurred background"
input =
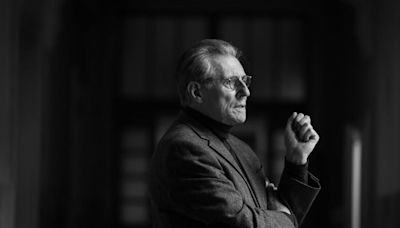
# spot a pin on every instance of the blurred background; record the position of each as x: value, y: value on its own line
x: 87, y: 89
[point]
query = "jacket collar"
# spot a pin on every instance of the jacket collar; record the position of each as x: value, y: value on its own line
x: 213, y: 141
x: 218, y: 146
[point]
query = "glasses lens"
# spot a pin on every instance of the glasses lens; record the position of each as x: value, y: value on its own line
x: 235, y: 83
x: 247, y: 80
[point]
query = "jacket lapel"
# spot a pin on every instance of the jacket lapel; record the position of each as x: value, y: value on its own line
x: 213, y: 142
x: 245, y: 171
x: 248, y: 160
x: 219, y: 147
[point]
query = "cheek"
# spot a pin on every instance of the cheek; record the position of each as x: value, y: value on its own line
x: 228, y: 105
x: 226, y: 102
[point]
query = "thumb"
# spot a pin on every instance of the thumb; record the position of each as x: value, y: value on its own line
x: 290, y: 121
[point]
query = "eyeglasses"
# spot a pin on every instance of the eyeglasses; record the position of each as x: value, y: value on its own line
x: 235, y: 82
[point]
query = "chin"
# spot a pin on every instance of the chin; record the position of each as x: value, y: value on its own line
x: 237, y: 120
x: 242, y: 120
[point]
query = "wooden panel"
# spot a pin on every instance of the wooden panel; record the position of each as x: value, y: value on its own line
x: 232, y: 29
x: 135, y: 144
x: 193, y: 30
x: 133, y: 83
x: 291, y: 78
x: 262, y: 51
x: 163, y: 55
x: 153, y: 46
x: 220, y: 7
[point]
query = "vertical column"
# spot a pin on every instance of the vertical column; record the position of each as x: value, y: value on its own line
x: 7, y: 169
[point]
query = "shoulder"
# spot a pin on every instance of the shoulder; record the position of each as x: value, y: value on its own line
x: 186, y: 129
x: 182, y: 150
x: 181, y: 137
x: 179, y: 132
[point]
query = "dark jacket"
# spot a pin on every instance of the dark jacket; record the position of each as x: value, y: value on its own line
x: 196, y: 182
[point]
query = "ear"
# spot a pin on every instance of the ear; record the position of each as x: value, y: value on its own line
x: 193, y: 89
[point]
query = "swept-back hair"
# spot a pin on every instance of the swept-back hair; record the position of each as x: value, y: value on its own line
x: 196, y: 64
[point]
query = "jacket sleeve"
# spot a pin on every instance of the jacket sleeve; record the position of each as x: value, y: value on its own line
x: 195, y: 186
x: 298, y: 194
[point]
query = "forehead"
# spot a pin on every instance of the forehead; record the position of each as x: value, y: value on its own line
x: 227, y: 66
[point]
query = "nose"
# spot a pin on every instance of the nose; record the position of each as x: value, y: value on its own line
x: 243, y: 90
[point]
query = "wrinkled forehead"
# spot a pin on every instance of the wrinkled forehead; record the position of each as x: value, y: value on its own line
x: 227, y: 66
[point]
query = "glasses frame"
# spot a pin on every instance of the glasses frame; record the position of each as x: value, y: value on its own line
x: 233, y: 82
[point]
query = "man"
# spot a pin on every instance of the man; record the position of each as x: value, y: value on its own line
x: 203, y: 176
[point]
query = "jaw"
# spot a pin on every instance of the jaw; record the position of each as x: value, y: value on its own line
x: 236, y: 116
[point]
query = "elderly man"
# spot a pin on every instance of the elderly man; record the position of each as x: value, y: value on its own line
x: 203, y: 176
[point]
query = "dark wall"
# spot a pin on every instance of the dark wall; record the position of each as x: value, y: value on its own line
x: 60, y: 74
x: 78, y: 182
x: 338, y: 103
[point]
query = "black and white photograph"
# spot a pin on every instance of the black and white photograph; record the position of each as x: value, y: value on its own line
x: 199, y: 114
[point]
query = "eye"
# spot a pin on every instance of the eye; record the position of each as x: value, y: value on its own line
x: 233, y: 82
x: 229, y: 83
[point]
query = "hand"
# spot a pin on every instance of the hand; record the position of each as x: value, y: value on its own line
x: 273, y: 203
x: 300, y: 138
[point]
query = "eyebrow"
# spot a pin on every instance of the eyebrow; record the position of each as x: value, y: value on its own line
x: 236, y: 76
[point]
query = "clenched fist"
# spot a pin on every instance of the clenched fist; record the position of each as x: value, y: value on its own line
x: 300, y: 138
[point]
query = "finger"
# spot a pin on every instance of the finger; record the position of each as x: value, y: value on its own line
x: 296, y: 121
x: 312, y: 136
x: 308, y: 135
x: 299, y: 117
x: 304, y: 120
x: 290, y: 120
x: 305, y: 128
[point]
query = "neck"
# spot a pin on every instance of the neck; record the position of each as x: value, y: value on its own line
x: 220, y: 128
